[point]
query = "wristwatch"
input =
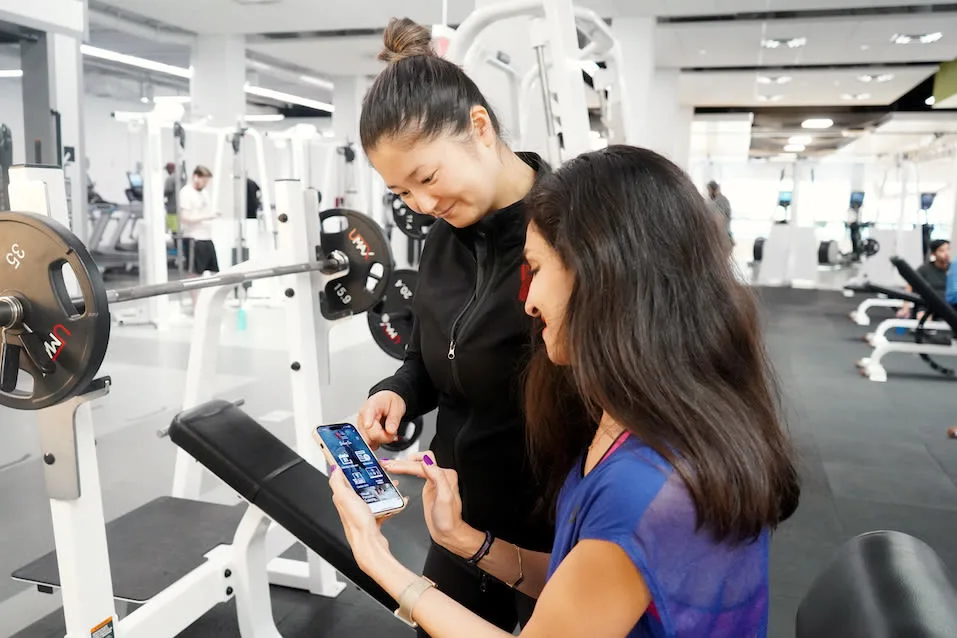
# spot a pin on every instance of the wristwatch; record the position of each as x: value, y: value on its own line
x: 410, y: 596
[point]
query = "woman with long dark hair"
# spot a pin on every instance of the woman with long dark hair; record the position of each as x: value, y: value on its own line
x: 654, y: 419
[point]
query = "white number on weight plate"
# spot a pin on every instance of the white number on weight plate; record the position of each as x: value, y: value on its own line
x: 343, y: 294
x: 15, y: 255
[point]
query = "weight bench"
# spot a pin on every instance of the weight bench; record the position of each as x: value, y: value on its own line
x: 889, y: 298
x: 273, y: 478
x: 882, y: 583
x: 936, y: 306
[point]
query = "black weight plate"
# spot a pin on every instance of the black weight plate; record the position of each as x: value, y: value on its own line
x: 365, y: 245
x: 33, y: 250
x: 390, y: 321
x: 871, y: 247
x: 758, y: 252
x: 410, y: 223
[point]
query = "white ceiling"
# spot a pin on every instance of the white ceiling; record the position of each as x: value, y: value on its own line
x: 901, y: 133
x: 690, y: 45
x: 806, y: 88
x: 230, y: 16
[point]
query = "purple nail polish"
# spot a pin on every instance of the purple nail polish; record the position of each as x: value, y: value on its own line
x: 427, y: 460
x: 333, y: 469
x: 384, y: 460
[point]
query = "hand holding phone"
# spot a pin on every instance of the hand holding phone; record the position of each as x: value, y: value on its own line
x: 343, y: 446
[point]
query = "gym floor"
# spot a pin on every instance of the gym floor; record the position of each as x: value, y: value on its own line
x: 874, y: 456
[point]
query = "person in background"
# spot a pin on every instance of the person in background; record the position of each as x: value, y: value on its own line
x: 253, y: 199
x: 196, y: 215
x: 934, y: 273
x: 721, y: 205
x: 170, y: 188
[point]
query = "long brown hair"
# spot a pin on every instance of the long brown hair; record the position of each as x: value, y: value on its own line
x: 661, y: 336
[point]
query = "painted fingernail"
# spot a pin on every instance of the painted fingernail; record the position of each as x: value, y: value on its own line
x: 384, y: 460
x: 333, y: 469
x: 427, y: 460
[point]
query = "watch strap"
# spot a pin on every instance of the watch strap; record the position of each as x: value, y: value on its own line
x: 409, y: 597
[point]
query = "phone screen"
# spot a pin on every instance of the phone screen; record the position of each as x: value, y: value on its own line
x: 360, y: 466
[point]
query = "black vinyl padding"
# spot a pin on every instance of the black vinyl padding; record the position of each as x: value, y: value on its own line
x: 882, y: 584
x: 938, y: 307
x: 890, y: 293
x: 268, y: 474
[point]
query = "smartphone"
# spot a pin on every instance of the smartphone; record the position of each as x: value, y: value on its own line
x: 343, y: 445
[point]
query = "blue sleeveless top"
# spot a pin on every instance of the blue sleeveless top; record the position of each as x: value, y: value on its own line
x: 635, y: 499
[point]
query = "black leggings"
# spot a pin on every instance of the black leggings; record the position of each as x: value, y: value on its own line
x: 499, y: 604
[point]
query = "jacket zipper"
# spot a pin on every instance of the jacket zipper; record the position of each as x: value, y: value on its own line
x: 458, y: 327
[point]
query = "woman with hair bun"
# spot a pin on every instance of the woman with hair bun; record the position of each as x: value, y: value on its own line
x: 435, y: 140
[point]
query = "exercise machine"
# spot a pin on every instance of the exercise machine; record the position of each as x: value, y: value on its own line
x: 344, y: 270
x: 926, y: 228
x: 829, y: 253
x: 935, y: 308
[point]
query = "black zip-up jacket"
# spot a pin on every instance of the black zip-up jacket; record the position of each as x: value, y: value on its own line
x: 470, y: 342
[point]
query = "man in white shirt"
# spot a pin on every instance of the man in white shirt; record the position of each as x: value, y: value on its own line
x: 196, y: 216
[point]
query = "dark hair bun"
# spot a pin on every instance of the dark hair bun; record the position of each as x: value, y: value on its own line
x: 404, y: 38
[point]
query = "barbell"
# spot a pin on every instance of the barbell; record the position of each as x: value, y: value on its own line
x: 60, y: 341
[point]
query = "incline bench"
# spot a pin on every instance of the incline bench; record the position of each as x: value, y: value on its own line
x: 936, y: 306
x: 890, y: 298
x: 270, y: 476
x: 880, y: 582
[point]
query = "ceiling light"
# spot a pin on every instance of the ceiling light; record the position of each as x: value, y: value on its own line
x: 132, y: 60
x: 265, y: 117
x: 11, y: 73
x: 321, y: 83
x: 770, y: 98
x: 800, y: 139
x: 926, y: 38
x: 817, y: 123
x: 288, y: 98
x: 791, y: 43
x: 865, y: 47
x: 855, y: 96
x: 794, y: 148
x: 767, y: 79
x: 930, y: 101
x: 883, y: 77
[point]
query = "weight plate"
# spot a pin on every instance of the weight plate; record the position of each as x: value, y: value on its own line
x: 871, y: 247
x: 758, y: 252
x: 35, y: 250
x: 390, y: 321
x: 409, y: 432
x: 410, y: 223
x: 366, y: 247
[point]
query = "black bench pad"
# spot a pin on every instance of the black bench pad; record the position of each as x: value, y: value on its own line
x: 882, y: 584
x: 891, y: 293
x: 936, y: 304
x: 268, y: 474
